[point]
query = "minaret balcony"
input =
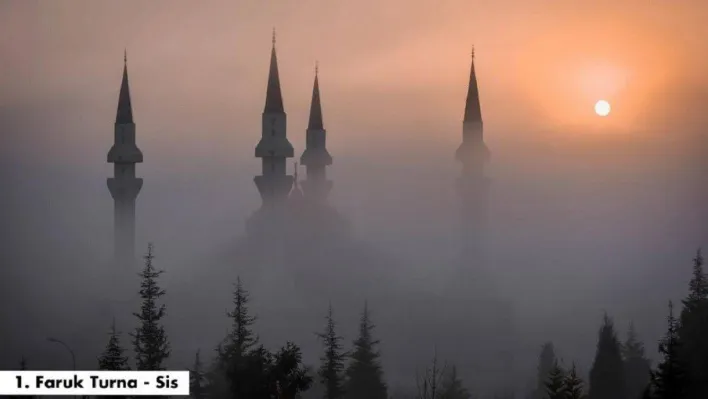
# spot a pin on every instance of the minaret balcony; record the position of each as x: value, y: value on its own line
x: 124, y: 188
x: 316, y: 157
x: 125, y: 153
x: 273, y: 186
x: 276, y: 147
x: 472, y: 152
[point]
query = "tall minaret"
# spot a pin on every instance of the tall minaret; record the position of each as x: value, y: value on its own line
x: 274, y: 148
x: 473, y: 185
x: 124, y: 186
x: 316, y: 157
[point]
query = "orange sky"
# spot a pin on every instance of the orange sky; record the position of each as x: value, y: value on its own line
x: 198, y: 69
x: 393, y: 79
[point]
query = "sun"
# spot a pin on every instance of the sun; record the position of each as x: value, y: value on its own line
x: 602, y: 108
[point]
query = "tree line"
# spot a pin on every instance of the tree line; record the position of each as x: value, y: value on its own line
x: 242, y: 368
x: 621, y: 370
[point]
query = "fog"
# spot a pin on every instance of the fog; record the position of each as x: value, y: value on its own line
x: 587, y: 214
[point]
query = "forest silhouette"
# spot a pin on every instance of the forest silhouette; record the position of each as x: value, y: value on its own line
x: 241, y: 367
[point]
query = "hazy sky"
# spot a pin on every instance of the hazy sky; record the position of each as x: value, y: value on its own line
x: 198, y: 69
x: 613, y: 193
x: 393, y: 77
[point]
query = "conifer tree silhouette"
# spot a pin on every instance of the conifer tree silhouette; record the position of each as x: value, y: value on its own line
x: 607, y: 374
x: 364, y: 373
x: 573, y: 384
x: 555, y: 386
x: 197, y: 378
x: 546, y: 361
x: 228, y: 373
x: 332, y: 366
x: 113, y: 357
x: 692, y: 331
x: 150, y: 342
x: 452, y: 387
x: 636, y: 366
x: 669, y: 379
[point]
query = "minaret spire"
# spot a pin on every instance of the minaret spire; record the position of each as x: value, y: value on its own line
x: 124, y: 113
x: 473, y: 152
x: 473, y: 111
x: 315, y: 121
x: 472, y: 184
x: 274, y: 148
x: 124, y: 185
x: 274, y: 97
x: 316, y: 157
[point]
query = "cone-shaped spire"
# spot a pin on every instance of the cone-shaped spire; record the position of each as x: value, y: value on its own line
x: 315, y: 106
x: 274, y: 98
x: 125, y: 111
x: 473, y: 112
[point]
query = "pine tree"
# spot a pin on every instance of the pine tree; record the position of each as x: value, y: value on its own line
x: 698, y: 286
x: 452, y: 387
x: 693, y: 332
x: 197, y: 378
x: 229, y: 372
x: 241, y: 338
x: 149, y: 339
x: 607, y: 373
x: 113, y: 357
x: 330, y: 371
x: 669, y: 380
x: 289, y: 378
x: 555, y: 385
x: 546, y: 361
x: 430, y: 383
x: 636, y: 366
x: 573, y: 385
x: 217, y: 382
x: 364, y: 374
x: 265, y: 375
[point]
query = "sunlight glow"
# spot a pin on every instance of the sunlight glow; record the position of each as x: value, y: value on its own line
x: 602, y: 108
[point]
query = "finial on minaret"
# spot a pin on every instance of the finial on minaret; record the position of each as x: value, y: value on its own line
x: 125, y: 56
x: 273, y: 37
x: 317, y: 68
x: 473, y: 51
x: 295, y: 193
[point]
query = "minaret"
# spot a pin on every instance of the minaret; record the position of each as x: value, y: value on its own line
x: 124, y: 186
x: 316, y: 157
x: 473, y: 185
x: 274, y: 148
